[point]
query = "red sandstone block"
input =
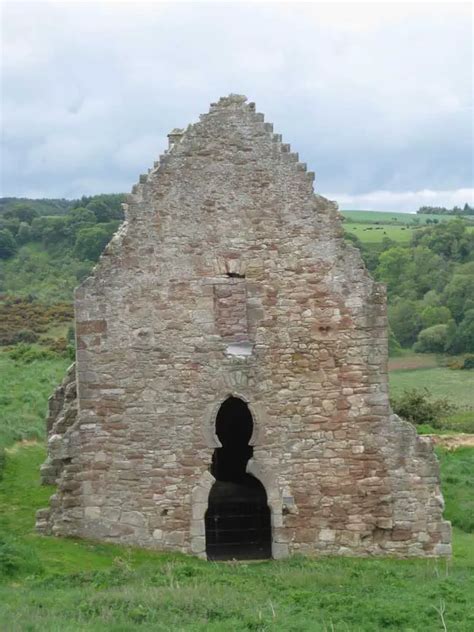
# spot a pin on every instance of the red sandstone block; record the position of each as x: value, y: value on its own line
x: 91, y: 327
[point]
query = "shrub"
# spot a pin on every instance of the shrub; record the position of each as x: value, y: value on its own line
x: 417, y: 406
x: 24, y: 335
x: 27, y: 353
x: 432, y: 340
x: 468, y: 362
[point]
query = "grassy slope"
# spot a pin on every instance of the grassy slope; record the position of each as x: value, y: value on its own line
x: 86, y: 586
x: 35, y: 271
x: 24, y: 390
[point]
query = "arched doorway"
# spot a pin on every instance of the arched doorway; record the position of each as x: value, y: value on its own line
x: 237, y: 520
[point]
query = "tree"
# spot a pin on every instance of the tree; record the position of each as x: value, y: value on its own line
x: 51, y: 230
x: 450, y: 240
x: 428, y: 270
x: 106, y: 207
x: 24, y: 233
x: 22, y: 212
x: 461, y: 339
x: 8, y: 245
x: 393, y: 269
x: 458, y: 295
x: 405, y: 321
x: 79, y: 218
x: 394, y: 347
x: 435, y: 315
x: 91, y: 241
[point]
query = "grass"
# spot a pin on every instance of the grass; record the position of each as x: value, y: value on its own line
x: 77, y: 585
x: 440, y: 381
x: 370, y: 217
x: 458, y: 485
x: 376, y: 234
x: 24, y: 391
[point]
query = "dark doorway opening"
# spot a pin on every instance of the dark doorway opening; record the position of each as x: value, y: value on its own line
x: 237, y: 520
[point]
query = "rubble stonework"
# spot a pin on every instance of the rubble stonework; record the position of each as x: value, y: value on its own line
x: 230, y: 277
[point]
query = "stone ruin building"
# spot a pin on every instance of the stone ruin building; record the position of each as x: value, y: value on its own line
x: 231, y: 373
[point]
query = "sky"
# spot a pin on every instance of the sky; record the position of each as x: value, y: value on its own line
x: 375, y: 98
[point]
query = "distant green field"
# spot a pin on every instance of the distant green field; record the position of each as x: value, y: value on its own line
x: 370, y: 217
x: 442, y: 382
x: 371, y: 233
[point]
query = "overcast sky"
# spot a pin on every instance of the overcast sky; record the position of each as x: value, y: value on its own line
x: 376, y: 98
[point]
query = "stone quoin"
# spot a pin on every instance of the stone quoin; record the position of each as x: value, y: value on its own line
x: 231, y: 371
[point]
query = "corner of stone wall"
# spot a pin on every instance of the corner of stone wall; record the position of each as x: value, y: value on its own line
x: 62, y: 414
x: 418, y: 525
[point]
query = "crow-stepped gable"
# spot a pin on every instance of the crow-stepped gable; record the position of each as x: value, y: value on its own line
x: 231, y: 373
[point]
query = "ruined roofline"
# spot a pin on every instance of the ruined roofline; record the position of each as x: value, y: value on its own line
x: 230, y: 102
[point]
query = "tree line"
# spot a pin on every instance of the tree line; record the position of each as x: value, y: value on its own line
x: 441, y: 210
x: 84, y: 230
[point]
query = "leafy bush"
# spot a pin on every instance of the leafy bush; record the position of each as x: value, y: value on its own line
x: 27, y: 353
x: 464, y: 362
x: 468, y: 362
x: 417, y: 406
x: 23, y: 320
x: 432, y: 340
x: 24, y: 335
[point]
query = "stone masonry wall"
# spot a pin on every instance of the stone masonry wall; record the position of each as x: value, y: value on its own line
x: 231, y: 277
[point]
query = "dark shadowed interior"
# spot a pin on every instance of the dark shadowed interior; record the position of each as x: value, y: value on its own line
x: 238, y: 517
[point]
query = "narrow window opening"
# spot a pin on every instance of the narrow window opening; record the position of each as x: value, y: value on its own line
x: 238, y: 517
x: 235, y: 275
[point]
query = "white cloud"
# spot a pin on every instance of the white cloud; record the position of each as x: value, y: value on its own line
x: 409, y: 201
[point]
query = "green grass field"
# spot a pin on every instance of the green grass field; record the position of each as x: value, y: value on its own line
x: 371, y: 217
x: 442, y: 382
x: 371, y: 227
x: 61, y: 585
x: 24, y: 391
x: 370, y: 233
